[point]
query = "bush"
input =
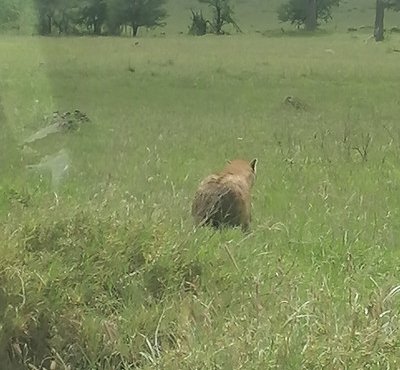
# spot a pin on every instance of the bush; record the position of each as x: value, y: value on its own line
x: 199, y: 24
x: 297, y: 11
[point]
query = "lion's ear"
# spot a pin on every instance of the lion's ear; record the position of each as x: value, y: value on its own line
x: 253, y: 165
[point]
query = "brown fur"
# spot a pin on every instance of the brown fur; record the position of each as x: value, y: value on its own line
x: 223, y: 199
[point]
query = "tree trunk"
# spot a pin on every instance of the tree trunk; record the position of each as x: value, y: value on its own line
x: 135, y: 29
x: 49, y: 22
x: 379, y: 15
x: 311, y: 20
x: 96, y: 27
x: 218, y: 20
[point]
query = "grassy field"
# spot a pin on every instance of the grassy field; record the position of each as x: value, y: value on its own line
x: 107, y: 272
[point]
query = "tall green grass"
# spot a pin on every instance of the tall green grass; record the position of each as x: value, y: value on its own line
x: 107, y: 272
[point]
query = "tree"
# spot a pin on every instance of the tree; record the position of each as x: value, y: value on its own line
x: 381, y: 5
x: 9, y: 13
x: 135, y: 13
x: 45, y: 9
x: 311, y: 16
x: 379, y: 15
x: 199, y: 24
x: 307, y: 12
x: 222, y: 14
x: 62, y: 14
x: 93, y: 14
x: 66, y: 15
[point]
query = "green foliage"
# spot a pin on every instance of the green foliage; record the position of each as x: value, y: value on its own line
x: 135, y: 14
x: 66, y: 16
x: 74, y: 16
x: 45, y: 11
x: 9, y: 13
x: 61, y: 15
x: 392, y: 4
x: 295, y: 11
x: 93, y: 14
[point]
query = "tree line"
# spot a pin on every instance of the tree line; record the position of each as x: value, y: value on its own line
x: 98, y: 17
x: 310, y: 13
x: 116, y: 17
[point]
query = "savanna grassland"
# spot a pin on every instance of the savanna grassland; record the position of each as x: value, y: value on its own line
x: 106, y: 270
